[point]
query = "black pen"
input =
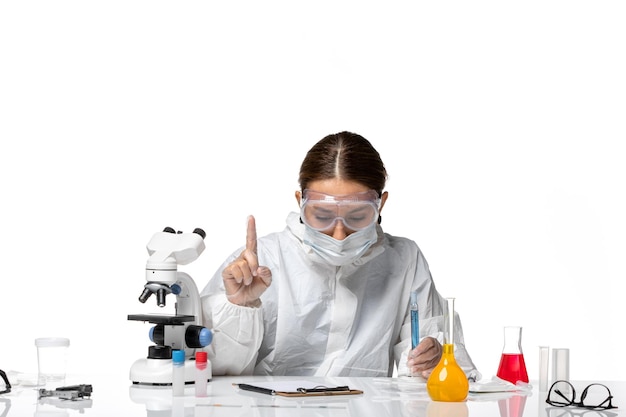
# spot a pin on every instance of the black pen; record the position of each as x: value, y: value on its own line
x: 247, y: 387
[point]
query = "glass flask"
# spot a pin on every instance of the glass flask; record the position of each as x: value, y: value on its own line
x: 512, y: 367
x: 448, y: 381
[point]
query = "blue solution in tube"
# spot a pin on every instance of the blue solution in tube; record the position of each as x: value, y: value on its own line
x: 415, y: 322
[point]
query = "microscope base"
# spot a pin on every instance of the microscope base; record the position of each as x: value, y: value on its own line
x: 159, y: 372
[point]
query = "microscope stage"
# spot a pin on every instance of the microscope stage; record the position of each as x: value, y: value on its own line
x: 178, y: 319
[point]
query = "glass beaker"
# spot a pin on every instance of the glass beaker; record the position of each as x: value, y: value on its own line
x: 448, y: 381
x: 512, y: 367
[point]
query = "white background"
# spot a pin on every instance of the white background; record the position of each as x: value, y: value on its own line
x: 501, y: 125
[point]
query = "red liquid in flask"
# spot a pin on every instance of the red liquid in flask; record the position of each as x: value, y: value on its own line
x: 512, y: 368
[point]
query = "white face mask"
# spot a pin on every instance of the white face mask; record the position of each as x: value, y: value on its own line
x: 340, y: 252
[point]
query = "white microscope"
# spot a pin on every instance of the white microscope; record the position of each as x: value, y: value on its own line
x: 183, y: 330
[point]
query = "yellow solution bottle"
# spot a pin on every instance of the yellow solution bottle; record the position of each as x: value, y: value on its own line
x: 448, y: 381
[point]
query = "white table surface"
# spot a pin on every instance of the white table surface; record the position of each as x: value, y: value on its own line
x: 115, y: 395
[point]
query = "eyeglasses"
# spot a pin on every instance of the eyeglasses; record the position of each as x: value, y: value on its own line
x: 356, y: 211
x: 7, y: 384
x: 594, y: 396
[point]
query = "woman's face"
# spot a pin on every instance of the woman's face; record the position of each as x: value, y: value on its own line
x: 338, y: 187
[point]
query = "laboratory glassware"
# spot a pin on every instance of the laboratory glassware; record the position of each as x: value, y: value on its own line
x: 415, y: 322
x: 544, y: 360
x: 448, y: 381
x: 51, y: 360
x: 512, y: 366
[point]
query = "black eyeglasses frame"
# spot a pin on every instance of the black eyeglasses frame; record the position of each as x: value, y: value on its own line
x: 6, y: 382
x: 583, y: 395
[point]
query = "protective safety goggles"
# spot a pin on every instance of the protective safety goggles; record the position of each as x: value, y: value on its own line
x: 322, y: 211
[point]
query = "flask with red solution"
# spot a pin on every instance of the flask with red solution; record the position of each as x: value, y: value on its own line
x: 512, y: 367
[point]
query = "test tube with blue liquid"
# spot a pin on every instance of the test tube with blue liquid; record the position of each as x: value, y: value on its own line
x: 415, y: 322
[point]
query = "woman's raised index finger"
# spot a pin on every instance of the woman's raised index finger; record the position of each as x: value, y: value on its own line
x: 251, y: 234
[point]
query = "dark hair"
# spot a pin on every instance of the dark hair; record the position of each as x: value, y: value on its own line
x: 347, y: 156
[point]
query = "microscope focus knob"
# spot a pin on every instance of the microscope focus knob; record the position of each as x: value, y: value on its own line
x: 205, y: 337
x: 198, y: 336
x: 200, y: 232
x: 169, y: 230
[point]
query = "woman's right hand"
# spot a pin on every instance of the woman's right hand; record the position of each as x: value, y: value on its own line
x: 244, y: 279
x: 425, y: 357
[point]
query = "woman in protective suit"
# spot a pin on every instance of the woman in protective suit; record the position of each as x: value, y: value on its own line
x: 328, y: 295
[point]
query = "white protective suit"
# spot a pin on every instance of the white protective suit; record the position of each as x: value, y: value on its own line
x: 316, y: 319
